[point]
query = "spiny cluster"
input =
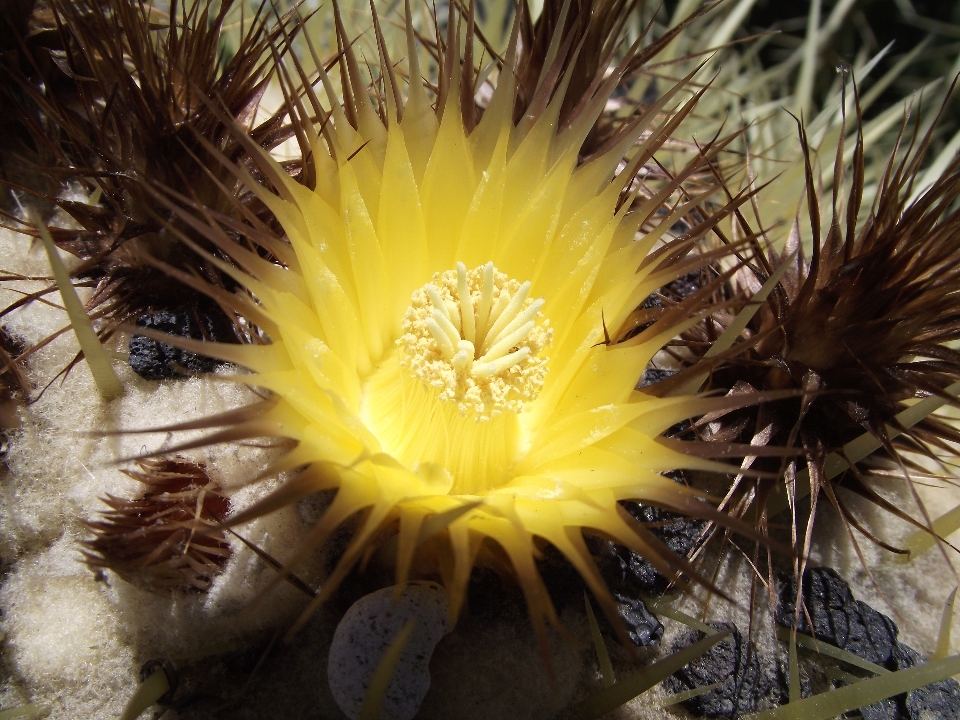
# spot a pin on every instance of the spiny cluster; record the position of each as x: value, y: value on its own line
x: 847, y: 339
x: 167, y: 537
x: 134, y: 101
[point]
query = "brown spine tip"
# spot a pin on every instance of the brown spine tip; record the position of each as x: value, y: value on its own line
x: 167, y: 537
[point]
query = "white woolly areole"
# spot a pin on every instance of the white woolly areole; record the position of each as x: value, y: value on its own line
x: 477, y: 337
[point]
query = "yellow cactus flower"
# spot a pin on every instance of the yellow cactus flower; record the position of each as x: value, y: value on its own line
x: 440, y: 328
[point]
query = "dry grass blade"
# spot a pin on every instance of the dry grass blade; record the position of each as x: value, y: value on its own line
x: 866, y: 692
x: 603, y: 656
x: 639, y: 682
x: 946, y: 628
x: 99, y: 363
x: 383, y: 674
x: 819, y: 646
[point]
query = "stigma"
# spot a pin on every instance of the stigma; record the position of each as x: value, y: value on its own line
x: 477, y: 337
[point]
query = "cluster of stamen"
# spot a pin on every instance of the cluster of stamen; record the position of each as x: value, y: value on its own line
x: 476, y: 337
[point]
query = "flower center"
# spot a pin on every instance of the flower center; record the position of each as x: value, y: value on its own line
x: 476, y: 336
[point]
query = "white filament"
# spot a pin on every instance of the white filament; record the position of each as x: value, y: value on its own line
x: 477, y: 336
x: 457, y: 324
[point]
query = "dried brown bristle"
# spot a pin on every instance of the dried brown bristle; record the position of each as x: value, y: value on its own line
x: 578, y: 41
x: 168, y: 537
x: 143, y: 105
x: 859, y: 331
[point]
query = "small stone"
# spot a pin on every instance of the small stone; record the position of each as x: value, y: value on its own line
x: 627, y: 571
x: 674, y: 292
x: 685, y: 285
x: 856, y: 627
x: 641, y: 625
x: 745, y: 684
x: 368, y: 629
x: 837, y: 617
x: 889, y: 709
x: 936, y: 700
x: 565, y: 585
x: 155, y: 360
x: 931, y: 702
x: 653, y: 375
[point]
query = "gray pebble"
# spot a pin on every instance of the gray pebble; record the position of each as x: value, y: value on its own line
x: 367, y: 630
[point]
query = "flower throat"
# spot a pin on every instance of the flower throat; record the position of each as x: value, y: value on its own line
x: 468, y: 360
